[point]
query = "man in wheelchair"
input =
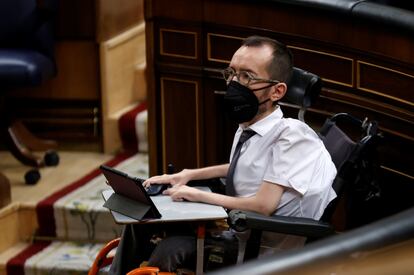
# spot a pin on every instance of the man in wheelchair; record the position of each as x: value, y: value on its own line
x: 279, y: 166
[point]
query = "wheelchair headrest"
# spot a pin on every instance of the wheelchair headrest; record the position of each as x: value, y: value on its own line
x: 303, y: 88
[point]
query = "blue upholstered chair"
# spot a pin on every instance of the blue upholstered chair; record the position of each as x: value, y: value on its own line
x: 26, y: 59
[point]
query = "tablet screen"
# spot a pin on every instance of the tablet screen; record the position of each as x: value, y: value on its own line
x: 129, y: 187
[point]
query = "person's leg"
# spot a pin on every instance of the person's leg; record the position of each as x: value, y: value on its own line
x: 134, y: 247
x: 175, y: 252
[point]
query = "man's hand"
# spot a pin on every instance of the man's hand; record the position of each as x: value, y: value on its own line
x: 180, y: 178
x: 183, y: 192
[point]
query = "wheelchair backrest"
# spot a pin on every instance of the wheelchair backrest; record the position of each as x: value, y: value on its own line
x: 349, y: 155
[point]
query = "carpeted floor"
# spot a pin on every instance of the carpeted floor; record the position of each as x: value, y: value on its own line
x: 74, y: 213
x: 72, y: 223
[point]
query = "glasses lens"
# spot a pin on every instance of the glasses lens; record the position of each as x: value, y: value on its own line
x: 244, y: 78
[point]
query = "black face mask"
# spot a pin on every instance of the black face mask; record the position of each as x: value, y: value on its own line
x: 240, y: 102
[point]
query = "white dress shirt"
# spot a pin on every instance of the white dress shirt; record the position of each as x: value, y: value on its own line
x: 289, y: 153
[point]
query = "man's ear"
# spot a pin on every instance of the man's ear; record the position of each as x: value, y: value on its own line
x: 279, y: 91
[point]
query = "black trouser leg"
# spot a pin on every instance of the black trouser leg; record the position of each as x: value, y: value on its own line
x: 133, y: 248
x: 135, y: 245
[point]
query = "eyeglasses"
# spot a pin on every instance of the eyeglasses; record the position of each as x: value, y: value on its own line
x: 245, y: 78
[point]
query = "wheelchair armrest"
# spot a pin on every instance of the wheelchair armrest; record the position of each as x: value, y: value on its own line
x: 243, y: 220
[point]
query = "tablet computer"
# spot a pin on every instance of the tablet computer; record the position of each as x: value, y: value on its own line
x: 130, y: 197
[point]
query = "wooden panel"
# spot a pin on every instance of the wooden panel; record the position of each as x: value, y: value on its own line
x: 181, y: 9
x: 98, y: 20
x: 75, y: 81
x: 371, y: 38
x: 398, y: 119
x: 115, y: 17
x: 9, y: 217
x: 393, y: 153
x: 218, y: 128
x: 397, y: 193
x: 178, y: 43
x: 335, y: 29
x: 154, y: 136
x: 387, y: 83
x: 18, y: 224
x: 220, y: 47
x: 180, y: 116
x: 78, y: 74
x: 275, y: 16
x: 331, y: 68
x: 76, y: 19
x: 63, y: 120
x: 122, y: 60
x: 378, y: 86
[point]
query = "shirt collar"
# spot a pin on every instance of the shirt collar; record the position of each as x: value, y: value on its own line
x: 264, y: 125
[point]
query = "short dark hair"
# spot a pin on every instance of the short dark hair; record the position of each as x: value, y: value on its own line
x: 280, y: 67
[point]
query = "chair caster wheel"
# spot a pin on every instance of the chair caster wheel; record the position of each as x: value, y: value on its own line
x: 51, y: 158
x: 32, y: 177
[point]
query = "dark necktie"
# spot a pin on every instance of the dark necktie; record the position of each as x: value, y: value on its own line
x: 229, y: 180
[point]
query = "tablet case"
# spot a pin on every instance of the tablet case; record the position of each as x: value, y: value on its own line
x: 139, y: 207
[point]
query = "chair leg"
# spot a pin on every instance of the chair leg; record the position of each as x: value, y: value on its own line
x: 21, y: 142
x: 29, y: 140
x: 19, y: 150
x: 5, y: 192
